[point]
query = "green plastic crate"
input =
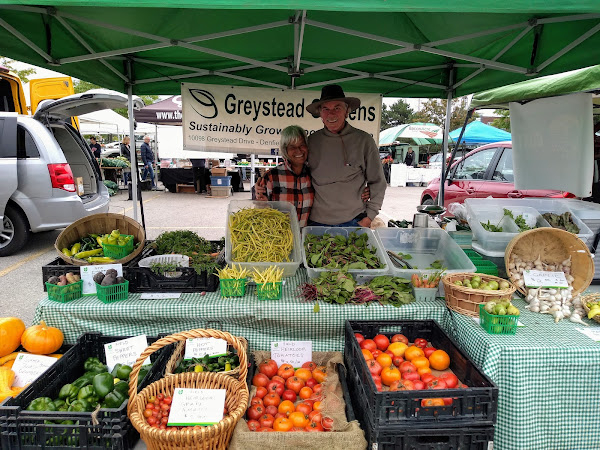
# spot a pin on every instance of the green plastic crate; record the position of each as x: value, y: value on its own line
x: 118, y: 251
x: 233, y: 287
x: 268, y: 291
x: 472, y: 254
x: 497, y: 324
x: 114, y: 293
x: 486, y: 267
x: 64, y: 294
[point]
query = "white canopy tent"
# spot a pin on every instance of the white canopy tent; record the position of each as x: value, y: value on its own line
x: 108, y: 121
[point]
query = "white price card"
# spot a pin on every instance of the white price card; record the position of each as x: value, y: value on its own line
x: 196, y: 407
x: 295, y: 353
x: 159, y: 295
x: 592, y: 333
x: 200, y: 347
x: 88, y: 272
x: 125, y: 351
x: 539, y: 278
x: 28, y: 367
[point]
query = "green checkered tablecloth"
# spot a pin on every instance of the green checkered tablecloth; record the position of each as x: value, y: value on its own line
x: 261, y: 322
x: 548, y: 376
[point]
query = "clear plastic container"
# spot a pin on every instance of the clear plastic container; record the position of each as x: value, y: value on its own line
x: 494, y: 213
x: 360, y: 275
x: 289, y: 268
x: 425, y: 245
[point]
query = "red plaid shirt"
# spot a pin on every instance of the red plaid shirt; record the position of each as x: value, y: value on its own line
x: 285, y: 186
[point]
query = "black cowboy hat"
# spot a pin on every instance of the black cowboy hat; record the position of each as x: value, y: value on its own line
x: 332, y: 92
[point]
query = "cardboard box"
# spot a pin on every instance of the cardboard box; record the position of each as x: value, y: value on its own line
x: 218, y: 171
x: 79, y: 184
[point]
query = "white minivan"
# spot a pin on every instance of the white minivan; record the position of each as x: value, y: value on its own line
x: 40, y: 159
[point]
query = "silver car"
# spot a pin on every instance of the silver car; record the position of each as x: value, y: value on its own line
x: 40, y: 159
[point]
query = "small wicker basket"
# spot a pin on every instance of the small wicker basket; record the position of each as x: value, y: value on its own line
x: 553, y: 246
x: 100, y: 224
x: 177, y: 356
x: 466, y: 300
x: 210, y: 437
x: 590, y: 298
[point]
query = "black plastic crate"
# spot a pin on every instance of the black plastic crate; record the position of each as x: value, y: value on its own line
x: 476, y: 405
x: 143, y: 279
x: 25, y: 430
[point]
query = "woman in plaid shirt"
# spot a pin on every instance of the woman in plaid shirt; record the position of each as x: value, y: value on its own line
x: 290, y: 181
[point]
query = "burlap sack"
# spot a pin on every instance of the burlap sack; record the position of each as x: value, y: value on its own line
x: 345, y: 435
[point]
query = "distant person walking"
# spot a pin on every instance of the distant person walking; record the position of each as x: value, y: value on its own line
x: 148, y: 160
x: 127, y: 154
x: 95, y: 147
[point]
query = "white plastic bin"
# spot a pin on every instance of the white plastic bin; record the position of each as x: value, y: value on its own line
x: 360, y: 275
x: 425, y: 245
x: 289, y: 268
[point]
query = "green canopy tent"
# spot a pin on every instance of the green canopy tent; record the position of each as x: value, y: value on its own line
x: 432, y: 48
x: 419, y: 133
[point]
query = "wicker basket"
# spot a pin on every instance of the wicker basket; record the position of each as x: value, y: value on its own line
x: 177, y: 356
x: 590, y: 298
x: 100, y: 224
x: 210, y: 437
x: 466, y: 300
x: 553, y: 246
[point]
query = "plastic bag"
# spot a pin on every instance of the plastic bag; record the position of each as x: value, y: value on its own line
x: 459, y: 211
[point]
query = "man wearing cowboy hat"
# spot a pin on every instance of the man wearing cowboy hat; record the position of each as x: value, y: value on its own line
x: 342, y: 159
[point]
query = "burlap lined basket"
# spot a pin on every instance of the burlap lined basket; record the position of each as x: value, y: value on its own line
x: 210, y: 437
x: 99, y: 224
x: 179, y: 352
x: 590, y: 298
x: 553, y: 246
x: 466, y: 300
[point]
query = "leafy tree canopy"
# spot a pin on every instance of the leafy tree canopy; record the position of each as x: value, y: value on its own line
x: 397, y: 114
x: 434, y: 111
x: 22, y: 74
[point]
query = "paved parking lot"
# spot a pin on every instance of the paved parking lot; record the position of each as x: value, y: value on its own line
x: 21, y: 274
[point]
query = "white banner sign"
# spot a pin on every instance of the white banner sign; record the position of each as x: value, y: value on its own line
x: 250, y: 120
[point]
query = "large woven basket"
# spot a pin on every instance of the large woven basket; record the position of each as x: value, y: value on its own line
x: 100, y: 224
x: 553, y: 246
x: 210, y: 437
x: 466, y: 300
x: 177, y: 356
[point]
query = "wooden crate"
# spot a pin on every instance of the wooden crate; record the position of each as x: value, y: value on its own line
x: 186, y: 188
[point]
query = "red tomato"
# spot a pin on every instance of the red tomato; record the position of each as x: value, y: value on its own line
x: 286, y: 371
x: 278, y: 415
x: 450, y: 379
x: 402, y: 385
x: 304, y: 408
x: 315, y: 416
x: 253, y: 425
x: 428, y: 351
x: 255, y: 412
x: 411, y: 376
x: 268, y: 367
x: 419, y: 385
x: 382, y: 342
x: 376, y: 353
x: 311, y: 382
x: 266, y: 421
x: 317, y: 389
x: 359, y: 337
x: 271, y: 409
x: 374, y: 367
x: 276, y: 387
x: 295, y: 384
x: 436, y: 383
x: 313, y: 426
x: 278, y: 379
x: 260, y: 379
x: 397, y: 360
x: 309, y: 402
x: 399, y: 338
x: 290, y: 395
x: 368, y: 344
x: 271, y: 399
x: 420, y: 342
x: 310, y: 365
x: 407, y: 366
x: 261, y: 392
x: 256, y: 401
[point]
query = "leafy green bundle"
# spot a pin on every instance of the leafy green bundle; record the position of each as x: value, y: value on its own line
x: 339, y: 252
x: 186, y: 242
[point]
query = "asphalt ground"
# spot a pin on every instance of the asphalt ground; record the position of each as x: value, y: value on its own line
x: 21, y: 284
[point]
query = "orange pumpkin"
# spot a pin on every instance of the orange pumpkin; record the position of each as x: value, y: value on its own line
x: 11, y: 329
x: 42, y: 339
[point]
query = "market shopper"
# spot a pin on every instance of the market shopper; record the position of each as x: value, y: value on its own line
x: 127, y: 154
x: 95, y: 147
x: 148, y: 160
x: 410, y: 157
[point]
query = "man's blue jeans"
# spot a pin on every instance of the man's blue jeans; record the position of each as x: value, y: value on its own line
x: 148, y: 172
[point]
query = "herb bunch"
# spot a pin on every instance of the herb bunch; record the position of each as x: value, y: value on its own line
x: 340, y: 252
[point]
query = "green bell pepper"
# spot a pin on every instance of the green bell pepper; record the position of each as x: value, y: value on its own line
x: 114, y: 399
x: 83, y: 380
x: 60, y: 405
x: 103, y: 384
x: 68, y: 393
x: 143, y: 372
x: 89, y: 394
x: 121, y: 371
x: 122, y: 387
x: 94, y: 365
x: 81, y: 406
x: 41, y: 404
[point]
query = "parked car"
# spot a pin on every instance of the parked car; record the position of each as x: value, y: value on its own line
x: 484, y: 172
x: 435, y: 161
x: 40, y: 159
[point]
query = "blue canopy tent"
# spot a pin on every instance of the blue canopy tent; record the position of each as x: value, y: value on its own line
x: 479, y: 133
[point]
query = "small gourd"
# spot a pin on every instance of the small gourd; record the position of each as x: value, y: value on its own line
x: 11, y: 329
x: 42, y: 339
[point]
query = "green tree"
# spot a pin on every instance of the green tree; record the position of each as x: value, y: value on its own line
x: 84, y: 86
x: 434, y: 111
x: 23, y: 74
x: 397, y: 114
x: 502, y: 122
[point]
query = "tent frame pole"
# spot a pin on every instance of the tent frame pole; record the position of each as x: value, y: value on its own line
x: 446, y: 132
x: 132, y: 146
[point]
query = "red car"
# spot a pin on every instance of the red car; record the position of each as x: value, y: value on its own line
x: 484, y: 172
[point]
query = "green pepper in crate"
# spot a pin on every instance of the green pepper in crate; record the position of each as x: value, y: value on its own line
x: 143, y: 372
x: 68, y: 393
x: 88, y: 393
x: 103, y: 383
x: 113, y: 400
x: 122, y: 387
x: 81, y: 405
x: 94, y: 365
x: 41, y: 404
x: 83, y: 380
x: 121, y: 371
x: 60, y: 405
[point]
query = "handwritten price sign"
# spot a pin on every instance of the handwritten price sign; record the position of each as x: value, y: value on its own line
x: 539, y: 278
x: 196, y: 407
x: 126, y: 351
x: 199, y: 347
x: 295, y: 353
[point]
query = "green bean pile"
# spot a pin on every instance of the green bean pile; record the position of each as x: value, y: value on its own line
x: 260, y: 234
